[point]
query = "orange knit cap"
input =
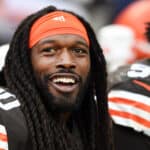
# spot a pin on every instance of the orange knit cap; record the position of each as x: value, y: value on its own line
x: 55, y: 23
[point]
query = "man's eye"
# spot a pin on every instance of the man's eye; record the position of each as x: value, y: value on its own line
x: 49, y: 50
x: 79, y: 51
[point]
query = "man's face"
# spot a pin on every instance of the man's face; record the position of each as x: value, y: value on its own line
x: 61, y: 64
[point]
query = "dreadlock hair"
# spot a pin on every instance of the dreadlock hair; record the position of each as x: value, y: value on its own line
x: 147, y: 33
x: 46, y: 133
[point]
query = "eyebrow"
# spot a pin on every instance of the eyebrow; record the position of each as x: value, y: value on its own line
x: 82, y: 43
x: 54, y: 41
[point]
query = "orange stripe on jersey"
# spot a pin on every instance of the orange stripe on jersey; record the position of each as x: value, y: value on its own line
x: 130, y: 102
x: 144, y: 85
x: 3, y: 137
x: 133, y: 117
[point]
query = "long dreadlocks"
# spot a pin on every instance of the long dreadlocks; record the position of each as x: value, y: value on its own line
x: 147, y: 33
x: 46, y: 133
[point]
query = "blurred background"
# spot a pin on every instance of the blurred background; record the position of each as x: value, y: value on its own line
x: 119, y: 24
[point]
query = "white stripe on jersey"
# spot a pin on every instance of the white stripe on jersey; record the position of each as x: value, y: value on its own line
x: 134, y: 114
x: 130, y: 109
x: 6, y: 95
x: 129, y: 95
x: 1, y: 90
x: 9, y: 105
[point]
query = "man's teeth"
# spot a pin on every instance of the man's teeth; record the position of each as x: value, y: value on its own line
x: 64, y: 80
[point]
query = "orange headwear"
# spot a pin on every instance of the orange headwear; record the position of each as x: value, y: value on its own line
x: 54, y: 23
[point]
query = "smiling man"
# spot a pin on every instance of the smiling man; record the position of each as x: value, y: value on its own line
x: 61, y: 65
x: 54, y: 96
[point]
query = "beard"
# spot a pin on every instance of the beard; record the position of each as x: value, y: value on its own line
x: 63, y: 103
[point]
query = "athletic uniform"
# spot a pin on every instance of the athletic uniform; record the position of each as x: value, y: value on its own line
x: 129, y: 106
x: 13, y: 128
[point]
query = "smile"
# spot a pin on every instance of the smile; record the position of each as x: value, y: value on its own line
x: 64, y: 80
x: 65, y: 83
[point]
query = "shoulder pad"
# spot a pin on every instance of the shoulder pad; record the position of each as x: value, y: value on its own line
x: 138, y: 70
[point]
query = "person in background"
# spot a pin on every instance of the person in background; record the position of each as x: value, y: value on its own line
x: 128, y: 17
x: 129, y: 105
x: 55, y: 92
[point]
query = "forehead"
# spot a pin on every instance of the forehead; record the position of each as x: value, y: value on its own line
x: 69, y: 38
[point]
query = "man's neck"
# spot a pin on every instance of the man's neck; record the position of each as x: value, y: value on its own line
x: 63, y: 117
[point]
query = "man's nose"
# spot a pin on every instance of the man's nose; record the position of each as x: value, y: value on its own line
x: 66, y: 60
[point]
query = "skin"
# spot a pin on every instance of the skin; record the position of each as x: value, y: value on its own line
x: 65, y: 60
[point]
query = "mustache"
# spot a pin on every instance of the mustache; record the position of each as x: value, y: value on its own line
x: 64, y: 70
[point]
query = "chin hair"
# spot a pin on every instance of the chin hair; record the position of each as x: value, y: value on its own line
x: 63, y: 104
x: 62, y: 107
